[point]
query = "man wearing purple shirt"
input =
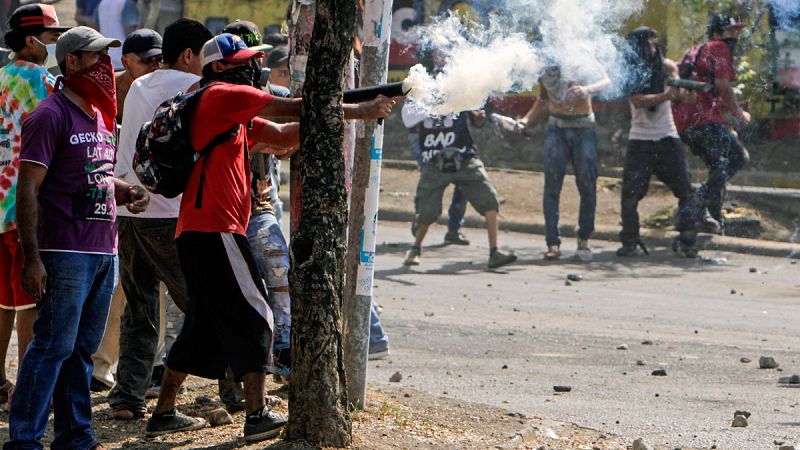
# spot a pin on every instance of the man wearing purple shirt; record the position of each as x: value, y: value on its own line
x: 66, y: 208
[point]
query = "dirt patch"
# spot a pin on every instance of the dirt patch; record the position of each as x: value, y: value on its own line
x: 394, y: 418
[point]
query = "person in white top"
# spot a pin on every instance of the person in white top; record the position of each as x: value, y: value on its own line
x: 654, y: 147
x: 148, y: 254
x: 116, y: 19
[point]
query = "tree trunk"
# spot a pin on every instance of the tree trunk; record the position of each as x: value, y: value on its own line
x: 317, y: 394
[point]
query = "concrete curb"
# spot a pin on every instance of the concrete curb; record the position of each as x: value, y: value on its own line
x: 652, y: 238
x: 770, y: 197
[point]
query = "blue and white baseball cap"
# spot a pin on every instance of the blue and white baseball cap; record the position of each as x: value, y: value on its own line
x: 227, y: 47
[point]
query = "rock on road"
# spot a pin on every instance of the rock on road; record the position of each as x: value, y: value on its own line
x: 454, y: 325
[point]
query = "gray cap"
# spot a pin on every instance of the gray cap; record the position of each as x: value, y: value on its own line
x: 82, y: 38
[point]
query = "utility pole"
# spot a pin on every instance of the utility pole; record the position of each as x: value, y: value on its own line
x: 364, y: 195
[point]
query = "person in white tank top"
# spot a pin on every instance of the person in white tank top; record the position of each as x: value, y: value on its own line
x: 654, y: 147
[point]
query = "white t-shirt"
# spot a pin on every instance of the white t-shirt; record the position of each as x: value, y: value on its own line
x: 652, y: 125
x: 113, y: 17
x: 145, y: 95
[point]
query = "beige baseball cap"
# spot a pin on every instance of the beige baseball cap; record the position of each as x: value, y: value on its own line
x: 82, y: 38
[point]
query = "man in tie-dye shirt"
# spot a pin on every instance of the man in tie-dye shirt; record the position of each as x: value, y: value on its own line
x: 24, y: 83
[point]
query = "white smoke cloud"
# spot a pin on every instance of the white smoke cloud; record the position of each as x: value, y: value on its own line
x: 509, y: 53
x: 785, y: 12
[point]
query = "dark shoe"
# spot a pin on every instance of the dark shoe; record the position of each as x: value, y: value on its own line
x: 172, y: 422
x: 499, y: 259
x: 98, y: 386
x: 710, y: 225
x: 123, y: 413
x: 455, y: 238
x: 263, y: 425
x: 632, y: 249
x: 377, y: 353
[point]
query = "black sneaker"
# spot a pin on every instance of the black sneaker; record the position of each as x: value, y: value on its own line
x: 264, y: 424
x: 455, y: 238
x: 632, y: 249
x: 172, y: 422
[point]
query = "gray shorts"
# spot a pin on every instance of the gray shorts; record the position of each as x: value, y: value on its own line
x: 472, y: 179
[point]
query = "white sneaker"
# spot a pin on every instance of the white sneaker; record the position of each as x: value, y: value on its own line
x: 584, y: 252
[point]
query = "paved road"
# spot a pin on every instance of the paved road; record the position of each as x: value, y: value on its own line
x: 454, y: 325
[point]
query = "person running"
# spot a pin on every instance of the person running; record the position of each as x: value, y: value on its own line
x: 570, y: 136
x: 654, y: 147
x: 703, y: 126
x: 67, y: 205
x: 228, y: 321
x: 148, y: 253
x: 24, y: 83
x: 449, y: 156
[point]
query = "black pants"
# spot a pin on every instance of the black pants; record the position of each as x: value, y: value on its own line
x: 147, y: 256
x: 723, y: 155
x: 228, y: 321
x: 664, y: 159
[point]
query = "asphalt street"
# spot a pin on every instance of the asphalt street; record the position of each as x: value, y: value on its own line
x: 506, y: 337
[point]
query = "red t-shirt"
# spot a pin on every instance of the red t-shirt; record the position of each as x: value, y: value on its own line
x: 714, y: 59
x: 225, y: 203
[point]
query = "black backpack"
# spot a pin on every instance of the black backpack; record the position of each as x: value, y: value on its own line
x: 164, y: 157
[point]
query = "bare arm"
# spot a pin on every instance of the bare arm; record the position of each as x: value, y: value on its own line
x: 292, y: 107
x: 34, y: 276
x: 281, y: 140
x: 135, y: 198
x: 649, y: 100
x: 729, y: 101
x: 538, y: 110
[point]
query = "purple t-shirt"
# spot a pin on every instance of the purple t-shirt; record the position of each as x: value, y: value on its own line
x: 76, y: 200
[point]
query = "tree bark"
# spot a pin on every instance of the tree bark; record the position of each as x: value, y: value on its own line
x: 317, y: 394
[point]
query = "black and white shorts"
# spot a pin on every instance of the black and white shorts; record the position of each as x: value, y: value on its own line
x: 228, y: 321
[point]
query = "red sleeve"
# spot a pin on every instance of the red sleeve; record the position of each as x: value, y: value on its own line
x: 222, y: 107
x: 717, y: 59
x: 258, y: 125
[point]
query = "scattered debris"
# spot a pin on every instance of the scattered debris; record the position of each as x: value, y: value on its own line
x: 203, y: 400
x: 745, y: 414
x: 217, y: 417
x: 568, y: 283
x: 427, y: 314
x: 640, y: 362
x: 794, y: 379
x: 659, y: 373
x: 753, y: 270
x: 733, y: 291
x: 505, y: 366
x: 767, y: 362
x: 745, y: 360
x: 647, y: 342
x: 396, y: 378
x: 575, y: 277
x: 622, y: 347
x: 739, y: 422
x: 639, y: 444
x: 407, y: 395
x: 562, y: 388
x: 786, y: 447
x: 710, y: 260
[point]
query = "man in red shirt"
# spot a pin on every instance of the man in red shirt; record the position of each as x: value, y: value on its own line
x: 228, y: 322
x: 704, y: 127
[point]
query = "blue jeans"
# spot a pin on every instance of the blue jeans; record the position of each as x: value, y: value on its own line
x: 272, y: 257
x: 561, y: 146
x: 70, y: 321
x: 378, y: 340
x: 458, y: 204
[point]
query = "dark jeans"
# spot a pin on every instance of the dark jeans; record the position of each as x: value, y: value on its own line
x: 723, y: 155
x: 148, y: 256
x: 70, y: 321
x: 561, y: 146
x: 664, y: 159
x: 458, y: 204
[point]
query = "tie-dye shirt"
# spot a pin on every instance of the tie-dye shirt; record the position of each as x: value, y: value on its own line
x: 22, y: 86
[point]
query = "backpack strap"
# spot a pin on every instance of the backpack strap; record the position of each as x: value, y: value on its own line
x: 219, y: 139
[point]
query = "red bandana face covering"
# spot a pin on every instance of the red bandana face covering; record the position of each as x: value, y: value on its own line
x: 96, y: 85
